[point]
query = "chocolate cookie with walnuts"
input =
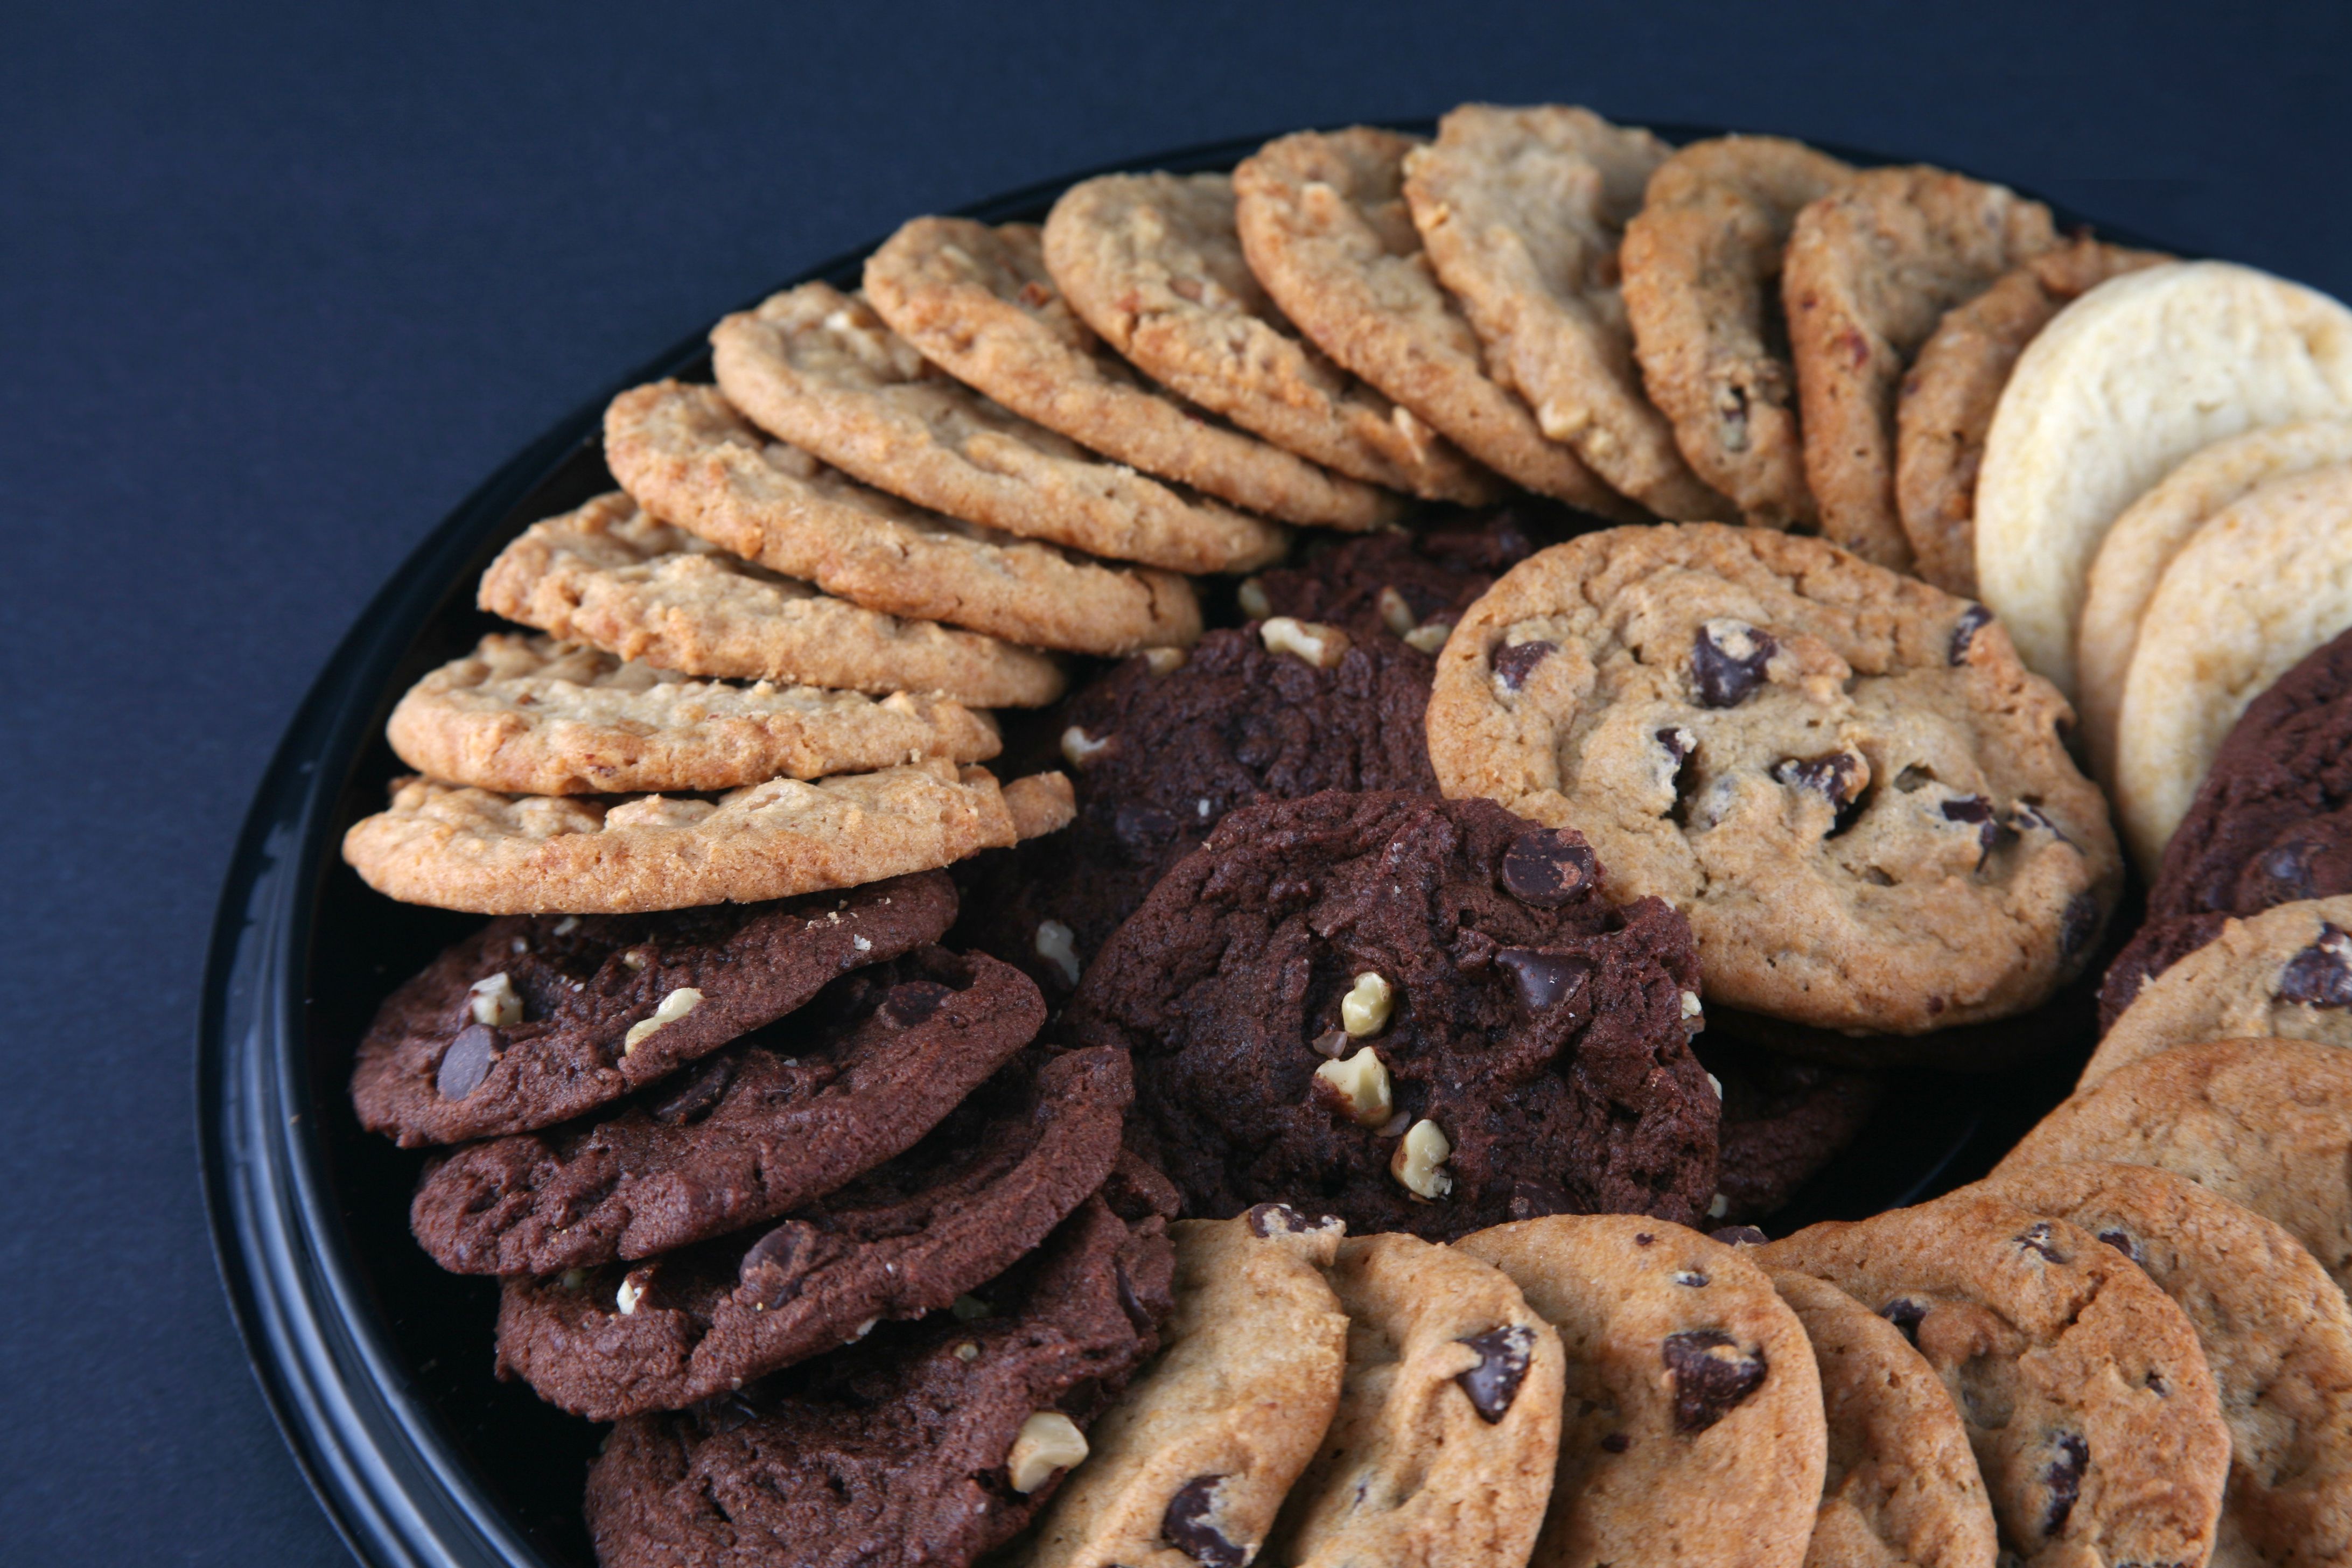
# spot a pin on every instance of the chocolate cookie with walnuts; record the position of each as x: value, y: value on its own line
x: 1783, y: 1120
x: 907, y: 1239
x: 1414, y: 585
x: 536, y: 1019
x: 773, y: 1121
x: 1418, y: 1015
x: 1843, y: 777
x: 943, y: 1439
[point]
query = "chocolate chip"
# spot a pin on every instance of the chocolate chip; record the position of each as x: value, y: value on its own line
x: 1711, y: 1373
x: 1502, y: 1366
x: 1964, y: 631
x: 2025, y: 817
x: 1906, y: 1315
x: 1836, y: 777
x: 1691, y: 1277
x: 768, y: 1270
x: 726, y: 1412
x: 1515, y: 663
x: 692, y: 1101
x: 2064, y: 1476
x: 1678, y: 741
x: 911, y: 1002
x: 2287, y: 872
x: 1545, y: 979
x: 2040, y: 1238
x: 467, y: 1061
x: 1739, y: 1235
x: 1269, y: 1219
x: 1642, y: 1239
x: 1727, y: 660
x: 1187, y: 1527
x: 2077, y: 926
x: 1615, y: 1442
x: 1144, y: 830
x: 2123, y: 1241
x: 1548, y: 867
x: 1977, y: 810
x: 2318, y: 977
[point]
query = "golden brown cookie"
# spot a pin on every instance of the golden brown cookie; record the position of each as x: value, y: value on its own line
x: 534, y: 716
x: 978, y: 302
x: 473, y: 849
x: 1702, y: 286
x: 2086, y: 1398
x: 1872, y: 267
x: 1840, y: 776
x: 1322, y: 219
x: 1521, y: 211
x: 1154, y: 265
x: 606, y: 574
x: 2265, y: 1123
x: 691, y: 460
x: 1693, y: 1431
x: 2276, y: 1332
x: 1901, y: 1485
x: 817, y: 368
x: 1947, y: 400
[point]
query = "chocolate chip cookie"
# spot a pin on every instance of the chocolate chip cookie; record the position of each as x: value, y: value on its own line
x: 907, y: 1239
x: 1443, y: 1447
x: 2285, y: 973
x: 1841, y: 776
x: 536, y: 1019
x: 1191, y: 1466
x: 2088, y: 1402
x: 1693, y: 1431
x: 773, y: 1122
x: 1418, y: 1015
x: 940, y: 1439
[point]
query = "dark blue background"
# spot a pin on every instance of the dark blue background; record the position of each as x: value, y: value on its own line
x: 279, y: 285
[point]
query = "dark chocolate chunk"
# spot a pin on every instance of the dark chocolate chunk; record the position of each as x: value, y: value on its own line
x: 1836, y: 777
x: 1964, y: 631
x: 1493, y: 1382
x: 2321, y: 974
x: 2038, y: 1239
x: 467, y: 1061
x: 1187, y: 1527
x: 690, y: 1102
x: 2123, y: 1241
x: 2079, y: 926
x: 1548, y: 867
x: 1615, y: 1442
x: 767, y: 1274
x: 914, y: 1001
x: 1515, y: 662
x: 1545, y: 979
x: 1143, y: 831
x: 2063, y: 1476
x: 1727, y: 660
x: 1739, y: 1235
x: 1711, y: 1375
x: 1692, y: 1279
x: 1976, y: 810
x: 1906, y: 1315
x: 1267, y: 1219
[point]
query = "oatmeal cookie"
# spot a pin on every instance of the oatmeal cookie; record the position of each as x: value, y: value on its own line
x: 1843, y: 777
x: 1693, y: 1431
x: 534, y: 716
x: 1152, y: 263
x: 1442, y: 1451
x: 2129, y: 380
x: 1947, y: 401
x: 978, y: 302
x: 690, y: 459
x: 1322, y: 219
x: 2094, y: 1419
x: 1521, y: 211
x: 2283, y: 973
x: 818, y: 368
x: 1871, y: 268
x: 1702, y: 286
x: 608, y: 575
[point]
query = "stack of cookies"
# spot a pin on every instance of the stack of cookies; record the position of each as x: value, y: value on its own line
x: 1279, y: 1126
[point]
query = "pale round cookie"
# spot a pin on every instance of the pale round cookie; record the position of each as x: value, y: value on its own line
x: 2086, y: 1398
x: 1442, y: 1451
x: 1702, y: 287
x: 2150, y: 532
x: 691, y: 460
x: 459, y: 848
x: 535, y: 716
x: 2130, y: 379
x: 2264, y: 581
x: 817, y: 368
x: 1521, y: 211
x: 1694, y: 1434
x: 1840, y: 776
x: 2285, y: 973
x: 608, y: 575
x: 1192, y: 1466
x: 978, y: 302
x: 1323, y: 221
x: 1901, y: 1485
x: 2276, y: 1332
x: 2265, y: 1123
x: 1154, y: 265
x: 1871, y: 268
x: 1947, y: 400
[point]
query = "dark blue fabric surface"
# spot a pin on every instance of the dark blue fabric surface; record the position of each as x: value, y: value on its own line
x: 279, y: 285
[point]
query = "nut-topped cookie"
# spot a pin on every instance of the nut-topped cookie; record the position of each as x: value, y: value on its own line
x: 2089, y: 1403
x: 1693, y: 1431
x: 1447, y: 1432
x: 1418, y: 1015
x: 1843, y: 777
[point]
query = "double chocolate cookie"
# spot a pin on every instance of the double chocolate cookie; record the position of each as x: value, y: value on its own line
x: 1399, y: 584
x: 1418, y: 1015
x: 928, y: 1443
x: 1783, y: 1120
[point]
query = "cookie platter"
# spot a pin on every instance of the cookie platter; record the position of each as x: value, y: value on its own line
x: 793, y: 1042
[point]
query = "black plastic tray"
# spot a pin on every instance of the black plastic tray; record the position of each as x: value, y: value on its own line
x: 378, y: 1365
